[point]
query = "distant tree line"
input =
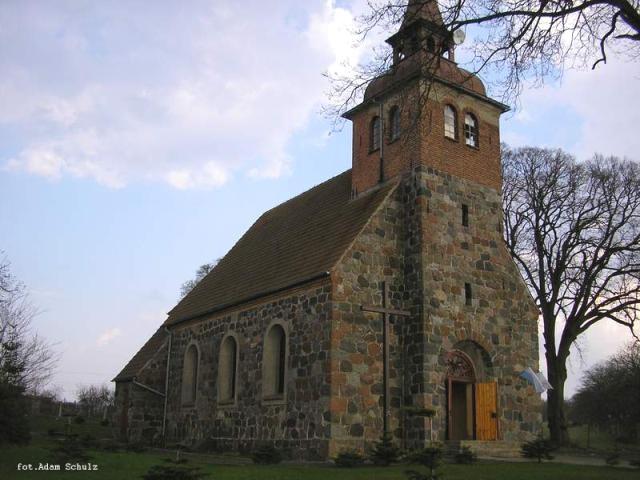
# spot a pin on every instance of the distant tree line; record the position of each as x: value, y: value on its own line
x: 609, y: 397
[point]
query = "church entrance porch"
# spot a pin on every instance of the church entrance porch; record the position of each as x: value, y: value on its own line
x: 471, y: 405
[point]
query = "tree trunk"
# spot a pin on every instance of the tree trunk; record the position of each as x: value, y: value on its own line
x: 556, y: 368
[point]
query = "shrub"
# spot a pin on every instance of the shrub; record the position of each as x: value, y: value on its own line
x: 173, y: 472
x: 538, y: 449
x: 613, y: 458
x: 384, y: 452
x: 635, y: 462
x: 266, y: 455
x: 349, y: 459
x: 110, y: 446
x: 79, y: 419
x: 211, y: 445
x: 89, y: 441
x: 104, y: 422
x: 70, y: 450
x: 52, y: 432
x: 429, y: 457
x: 465, y: 456
x: 135, y: 447
x: 14, y: 420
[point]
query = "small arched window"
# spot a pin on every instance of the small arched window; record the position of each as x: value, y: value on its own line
x: 394, y: 123
x: 470, y: 130
x: 190, y: 376
x: 227, y: 370
x: 431, y: 45
x: 450, y: 122
x: 374, y: 141
x: 274, y: 362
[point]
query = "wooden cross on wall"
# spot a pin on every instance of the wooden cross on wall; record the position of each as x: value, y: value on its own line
x: 386, y: 314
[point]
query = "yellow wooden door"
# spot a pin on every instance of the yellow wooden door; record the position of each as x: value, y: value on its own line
x: 487, y: 411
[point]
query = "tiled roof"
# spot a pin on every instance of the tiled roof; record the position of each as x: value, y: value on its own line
x: 141, y: 358
x: 293, y: 242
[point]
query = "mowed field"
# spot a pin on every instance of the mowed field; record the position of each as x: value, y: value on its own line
x: 130, y: 465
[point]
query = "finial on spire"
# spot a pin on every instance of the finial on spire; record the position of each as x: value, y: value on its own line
x: 422, y: 9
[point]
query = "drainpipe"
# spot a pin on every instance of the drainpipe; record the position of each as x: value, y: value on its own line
x: 166, y: 385
x: 381, y: 115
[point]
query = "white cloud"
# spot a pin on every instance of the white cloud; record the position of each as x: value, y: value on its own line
x: 108, y: 336
x: 590, y: 111
x: 185, y: 96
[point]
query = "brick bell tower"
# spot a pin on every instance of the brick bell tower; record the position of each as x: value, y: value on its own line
x: 430, y: 123
x: 425, y: 110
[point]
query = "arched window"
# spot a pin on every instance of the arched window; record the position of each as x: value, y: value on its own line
x: 394, y: 123
x: 374, y: 140
x: 274, y: 362
x: 190, y: 376
x: 470, y: 130
x: 227, y: 370
x: 431, y: 45
x: 450, y: 122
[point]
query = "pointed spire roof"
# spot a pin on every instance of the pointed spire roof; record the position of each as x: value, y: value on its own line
x: 422, y: 10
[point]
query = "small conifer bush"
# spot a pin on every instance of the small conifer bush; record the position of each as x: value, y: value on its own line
x: 384, y: 452
x: 429, y: 457
x: 70, y: 450
x: 266, y: 455
x: 349, y: 459
x: 174, y: 472
x: 538, y: 449
x: 465, y: 456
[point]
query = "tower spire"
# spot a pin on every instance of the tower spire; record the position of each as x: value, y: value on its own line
x: 427, y: 10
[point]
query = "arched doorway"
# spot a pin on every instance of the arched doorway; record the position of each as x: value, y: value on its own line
x: 471, y: 404
x: 461, y: 377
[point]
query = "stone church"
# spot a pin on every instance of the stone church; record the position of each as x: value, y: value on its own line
x: 382, y: 300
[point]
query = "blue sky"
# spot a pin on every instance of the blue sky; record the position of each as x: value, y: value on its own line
x: 138, y: 142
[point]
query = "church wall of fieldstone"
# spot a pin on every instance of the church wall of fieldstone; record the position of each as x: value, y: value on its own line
x: 417, y: 244
x: 356, y: 406
x: 501, y: 321
x: 299, y: 424
x: 143, y: 408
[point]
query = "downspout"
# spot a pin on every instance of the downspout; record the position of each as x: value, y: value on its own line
x: 381, y: 115
x: 166, y: 385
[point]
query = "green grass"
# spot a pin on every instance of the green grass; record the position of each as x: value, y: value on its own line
x: 132, y: 465
x: 598, y: 440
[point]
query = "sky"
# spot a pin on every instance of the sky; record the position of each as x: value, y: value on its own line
x: 139, y: 140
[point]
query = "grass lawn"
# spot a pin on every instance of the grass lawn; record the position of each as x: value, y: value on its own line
x: 129, y: 465
x: 598, y: 440
x: 134, y: 465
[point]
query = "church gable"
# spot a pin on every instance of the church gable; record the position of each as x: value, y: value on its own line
x: 294, y: 243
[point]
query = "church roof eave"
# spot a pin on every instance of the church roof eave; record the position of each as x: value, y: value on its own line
x: 383, y: 93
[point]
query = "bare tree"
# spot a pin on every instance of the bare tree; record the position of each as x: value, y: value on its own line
x: 201, y: 272
x: 20, y: 346
x: 94, y: 399
x: 510, y: 40
x: 573, y: 229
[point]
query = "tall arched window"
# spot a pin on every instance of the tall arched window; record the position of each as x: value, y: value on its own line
x: 450, y: 122
x: 374, y: 134
x: 190, y: 376
x: 227, y: 370
x: 470, y: 130
x: 274, y: 362
x: 394, y: 123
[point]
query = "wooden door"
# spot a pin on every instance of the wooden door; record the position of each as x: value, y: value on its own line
x: 486, y: 411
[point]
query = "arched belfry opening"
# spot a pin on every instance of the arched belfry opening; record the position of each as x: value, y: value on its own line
x: 472, y: 396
